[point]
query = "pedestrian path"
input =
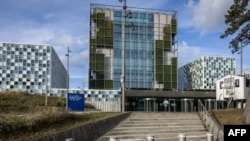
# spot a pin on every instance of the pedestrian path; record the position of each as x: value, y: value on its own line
x: 164, y: 126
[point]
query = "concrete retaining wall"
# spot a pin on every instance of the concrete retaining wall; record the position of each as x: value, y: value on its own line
x: 87, y: 132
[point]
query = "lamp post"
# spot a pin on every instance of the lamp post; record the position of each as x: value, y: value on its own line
x: 123, y: 54
x: 68, y: 51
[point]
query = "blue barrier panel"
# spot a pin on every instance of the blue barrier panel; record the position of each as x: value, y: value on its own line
x: 75, y: 102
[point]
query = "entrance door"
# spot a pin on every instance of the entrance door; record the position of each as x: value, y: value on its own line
x: 187, y: 105
x: 149, y: 104
x: 172, y: 105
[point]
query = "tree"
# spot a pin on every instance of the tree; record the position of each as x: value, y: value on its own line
x: 238, y: 21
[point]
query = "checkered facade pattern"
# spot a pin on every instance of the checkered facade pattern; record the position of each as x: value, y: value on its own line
x: 30, y: 68
x: 202, y: 73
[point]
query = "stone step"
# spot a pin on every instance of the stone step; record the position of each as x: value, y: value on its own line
x: 165, y: 126
x: 172, y: 130
x: 121, y: 128
x: 157, y: 136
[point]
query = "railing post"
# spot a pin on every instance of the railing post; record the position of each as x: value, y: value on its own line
x: 210, y: 137
x: 182, y: 137
x: 150, y: 137
x: 113, y: 139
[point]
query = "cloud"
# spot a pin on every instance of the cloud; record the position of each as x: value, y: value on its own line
x: 187, y: 54
x: 208, y: 15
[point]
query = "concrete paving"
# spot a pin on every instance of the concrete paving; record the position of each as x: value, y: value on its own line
x: 164, y: 126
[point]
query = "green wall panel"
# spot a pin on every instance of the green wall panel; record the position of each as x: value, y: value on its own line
x: 92, y: 65
x: 159, y: 69
x: 174, y: 85
x: 100, y: 75
x: 92, y: 84
x: 100, y: 66
x: 159, y: 77
x: 100, y: 84
x: 159, y: 43
x: 167, y: 85
x: 108, y: 84
x: 159, y: 52
x: 159, y: 61
x: 167, y: 77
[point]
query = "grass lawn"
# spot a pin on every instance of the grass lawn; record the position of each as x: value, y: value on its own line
x: 229, y: 116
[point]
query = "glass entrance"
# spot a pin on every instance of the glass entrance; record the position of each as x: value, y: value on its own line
x: 172, y: 105
x: 149, y: 104
x: 187, y: 105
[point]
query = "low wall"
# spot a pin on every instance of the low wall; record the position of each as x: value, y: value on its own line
x: 87, y: 132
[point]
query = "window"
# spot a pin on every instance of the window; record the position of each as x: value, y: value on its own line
x: 237, y: 83
x: 221, y: 83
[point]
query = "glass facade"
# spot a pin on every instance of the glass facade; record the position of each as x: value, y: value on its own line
x: 150, y: 48
x: 139, y: 50
x: 31, y: 68
x: 202, y: 73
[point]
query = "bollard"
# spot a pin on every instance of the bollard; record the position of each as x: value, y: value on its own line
x: 210, y: 137
x: 182, y: 137
x: 150, y: 137
x: 70, y: 139
x: 113, y: 139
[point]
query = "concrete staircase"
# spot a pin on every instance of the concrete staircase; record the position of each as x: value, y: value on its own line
x: 165, y: 126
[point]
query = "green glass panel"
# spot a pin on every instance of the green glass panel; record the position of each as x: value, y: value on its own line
x: 100, y: 84
x: 92, y: 41
x: 92, y: 84
x: 92, y: 57
x: 92, y: 65
x: 173, y: 22
x: 167, y: 77
x: 159, y: 77
x: 167, y: 69
x: 101, y: 15
x: 174, y: 29
x: 100, y: 40
x: 159, y: 69
x: 109, y: 41
x: 174, y: 85
x: 174, y: 61
x: 100, y: 58
x: 167, y: 29
x: 174, y: 77
x: 159, y: 61
x: 158, y: 43
x: 167, y: 44
x: 167, y: 85
x: 101, y: 32
x: 159, y: 52
x: 167, y: 37
x: 100, y: 75
x: 109, y: 24
x: 108, y: 84
x: 109, y: 33
x: 100, y: 66
x: 174, y: 69
x: 100, y: 23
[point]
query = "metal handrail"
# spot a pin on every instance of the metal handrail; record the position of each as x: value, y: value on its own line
x: 210, y: 123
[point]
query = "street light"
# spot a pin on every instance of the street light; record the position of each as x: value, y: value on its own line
x: 122, y: 78
x: 68, y: 51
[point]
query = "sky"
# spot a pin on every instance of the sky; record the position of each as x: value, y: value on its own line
x: 63, y: 23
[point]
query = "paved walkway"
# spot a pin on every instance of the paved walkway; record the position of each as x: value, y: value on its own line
x: 163, y: 126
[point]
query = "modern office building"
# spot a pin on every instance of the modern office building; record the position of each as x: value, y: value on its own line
x: 202, y: 73
x: 150, y: 48
x: 31, y: 68
x: 247, y: 74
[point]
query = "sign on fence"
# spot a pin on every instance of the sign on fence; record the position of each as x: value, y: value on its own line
x: 76, y: 102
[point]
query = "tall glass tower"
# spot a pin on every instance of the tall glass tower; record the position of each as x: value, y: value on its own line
x: 150, y: 48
